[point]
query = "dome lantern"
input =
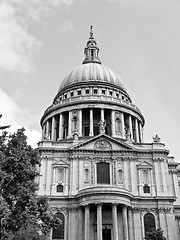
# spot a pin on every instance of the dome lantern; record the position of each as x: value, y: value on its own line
x: 91, y: 50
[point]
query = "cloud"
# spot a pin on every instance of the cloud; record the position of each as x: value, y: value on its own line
x: 17, y: 43
x: 17, y: 118
x: 66, y: 26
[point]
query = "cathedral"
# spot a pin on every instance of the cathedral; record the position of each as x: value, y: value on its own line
x: 103, y: 181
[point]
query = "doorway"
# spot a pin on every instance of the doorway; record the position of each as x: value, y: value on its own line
x: 106, y: 234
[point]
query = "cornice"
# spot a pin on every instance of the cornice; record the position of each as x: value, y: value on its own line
x: 94, y: 102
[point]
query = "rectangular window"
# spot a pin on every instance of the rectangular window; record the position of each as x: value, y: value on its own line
x: 95, y: 91
x: 103, y: 92
x: 60, y: 175
x: 103, y: 173
x: 72, y: 94
x: 87, y: 91
x: 79, y: 92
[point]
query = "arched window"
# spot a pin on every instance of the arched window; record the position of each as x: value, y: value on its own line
x: 149, y: 222
x: 103, y: 173
x: 58, y: 232
x: 146, y: 188
x: 59, y: 188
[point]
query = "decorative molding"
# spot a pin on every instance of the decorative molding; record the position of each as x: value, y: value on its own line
x: 102, y: 145
x: 152, y: 210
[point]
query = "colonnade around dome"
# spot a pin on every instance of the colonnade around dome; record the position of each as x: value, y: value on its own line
x: 92, y: 121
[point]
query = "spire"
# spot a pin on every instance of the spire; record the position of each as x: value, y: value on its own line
x: 91, y: 50
x: 91, y: 31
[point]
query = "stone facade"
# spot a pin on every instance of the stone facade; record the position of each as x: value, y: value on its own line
x: 103, y: 181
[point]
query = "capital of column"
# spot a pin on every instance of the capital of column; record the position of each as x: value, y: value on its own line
x: 86, y: 206
x: 114, y: 205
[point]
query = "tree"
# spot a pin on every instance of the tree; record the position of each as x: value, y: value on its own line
x: 23, y: 215
x: 155, y: 234
x: 3, y: 127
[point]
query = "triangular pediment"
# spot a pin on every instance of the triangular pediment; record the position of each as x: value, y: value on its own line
x: 103, y: 142
x: 144, y: 164
x: 59, y: 162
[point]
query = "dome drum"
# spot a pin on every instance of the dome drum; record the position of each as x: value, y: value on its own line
x: 88, y: 121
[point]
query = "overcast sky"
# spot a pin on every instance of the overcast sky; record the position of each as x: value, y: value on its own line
x: 41, y: 41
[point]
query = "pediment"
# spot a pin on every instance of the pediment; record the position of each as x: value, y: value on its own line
x: 60, y: 162
x: 103, y: 142
x: 144, y: 165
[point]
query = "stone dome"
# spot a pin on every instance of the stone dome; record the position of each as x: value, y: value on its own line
x: 91, y: 72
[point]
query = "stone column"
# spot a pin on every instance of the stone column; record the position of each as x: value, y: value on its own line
x: 80, y: 122
x: 125, y: 223
x: 48, y: 175
x: 156, y: 169
x: 87, y: 222
x: 91, y: 123
x: 60, y: 126
x: 141, y: 132
x: 53, y: 129
x: 176, y: 186
x: 164, y: 176
x: 70, y: 125
x: 130, y: 127
x: 80, y: 237
x: 47, y: 130
x: 137, y: 224
x: 102, y: 114
x: 99, y: 221
x: 43, y: 132
x: 130, y: 224
x: 113, y: 123
x: 126, y: 172
x: 115, y: 224
x: 123, y: 127
x: 137, y: 131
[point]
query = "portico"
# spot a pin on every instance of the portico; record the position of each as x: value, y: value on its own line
x: 102, y: 220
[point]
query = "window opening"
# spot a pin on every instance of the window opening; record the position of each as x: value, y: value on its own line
x: 146, y: 188
x: 58, y: 231
x: 149, y: 222
x: 103, y: 173
x: 95, y: 91
x: 59, y: 188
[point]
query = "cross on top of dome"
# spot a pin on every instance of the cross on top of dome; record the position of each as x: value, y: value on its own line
x: 91, y: 50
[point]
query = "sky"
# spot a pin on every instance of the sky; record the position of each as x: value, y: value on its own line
x: 41, y: 41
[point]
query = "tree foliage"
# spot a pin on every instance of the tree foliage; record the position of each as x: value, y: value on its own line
x: 23, y: 215
x: 155, y: 234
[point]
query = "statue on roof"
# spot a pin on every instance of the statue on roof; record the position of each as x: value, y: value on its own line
x: 102, y: 126
x: 156, y: 139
